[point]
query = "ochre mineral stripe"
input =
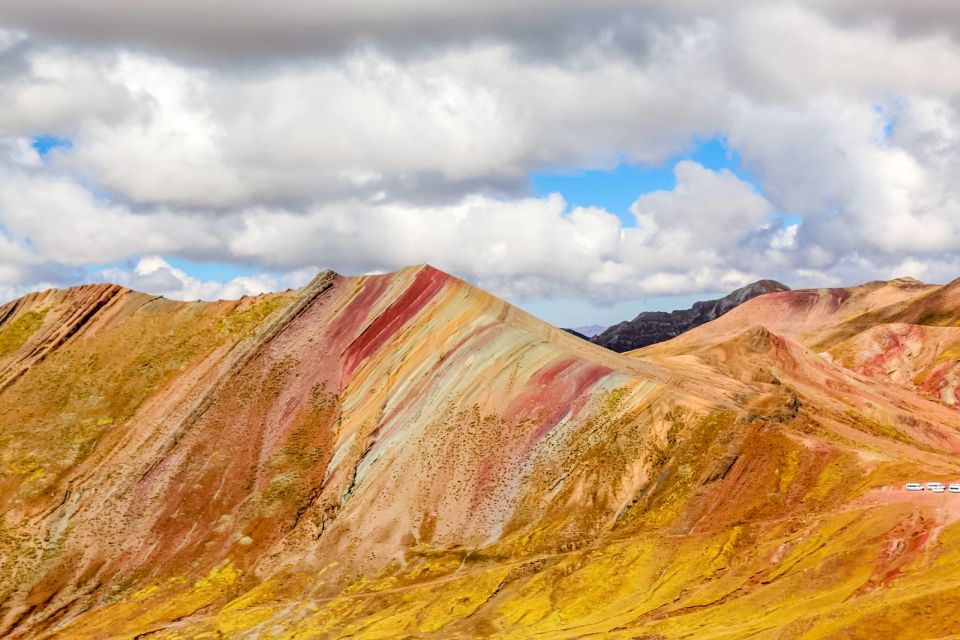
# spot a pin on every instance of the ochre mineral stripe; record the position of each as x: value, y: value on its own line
x: 241, y: 355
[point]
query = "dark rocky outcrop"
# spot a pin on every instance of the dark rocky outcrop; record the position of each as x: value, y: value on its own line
x: 651, y: 327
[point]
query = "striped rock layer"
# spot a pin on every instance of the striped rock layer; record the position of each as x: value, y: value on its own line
x: 404, y: 455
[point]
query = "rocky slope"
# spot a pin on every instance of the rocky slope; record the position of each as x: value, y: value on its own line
x: 404, y: 455
x: 651, y: 327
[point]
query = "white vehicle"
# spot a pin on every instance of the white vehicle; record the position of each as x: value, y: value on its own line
x: 938, y: 489
x: 933, y: 485
x: 955, y: 487
x: 914, y: 486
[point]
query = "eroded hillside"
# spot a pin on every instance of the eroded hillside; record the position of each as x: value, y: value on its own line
x: 404, y: 455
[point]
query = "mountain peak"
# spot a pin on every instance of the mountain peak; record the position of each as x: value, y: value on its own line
x: 195, y: 468
x: 758, y: 288
x: 651, y: 327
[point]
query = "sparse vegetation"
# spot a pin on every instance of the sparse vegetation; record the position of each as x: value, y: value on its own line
x: 16, y: 333
x: 508, y: 489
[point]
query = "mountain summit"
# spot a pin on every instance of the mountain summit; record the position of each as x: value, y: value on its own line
x: 651, y: 327
x: 405, y: 455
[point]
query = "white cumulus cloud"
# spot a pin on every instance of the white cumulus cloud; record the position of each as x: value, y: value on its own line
x: 368, y: 136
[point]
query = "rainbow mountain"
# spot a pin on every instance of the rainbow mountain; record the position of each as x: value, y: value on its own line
x: 407, y: 456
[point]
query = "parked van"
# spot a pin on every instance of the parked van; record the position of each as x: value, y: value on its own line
x: 955, y: 487
x: 938, y: 489
x: 934, y: 485
x: 915, y: 486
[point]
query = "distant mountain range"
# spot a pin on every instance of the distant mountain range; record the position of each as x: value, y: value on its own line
x: 651, y: 327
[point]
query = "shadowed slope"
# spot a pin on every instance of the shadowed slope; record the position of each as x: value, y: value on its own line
x: 404, y: 454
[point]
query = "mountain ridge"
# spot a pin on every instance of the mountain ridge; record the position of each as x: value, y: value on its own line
x: 405, y: 453
x: 651, y: 327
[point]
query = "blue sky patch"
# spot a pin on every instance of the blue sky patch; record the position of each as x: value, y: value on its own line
x: 43, y: 145
x: 219, y: 271
x: 616, y: 189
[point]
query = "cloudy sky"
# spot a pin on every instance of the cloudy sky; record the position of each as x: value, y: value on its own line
x: 584, y: 158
